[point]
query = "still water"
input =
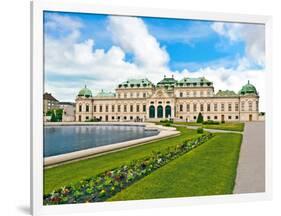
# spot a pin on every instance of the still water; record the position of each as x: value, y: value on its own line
x: 65, y: 139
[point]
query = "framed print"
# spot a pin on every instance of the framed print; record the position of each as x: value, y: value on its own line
x: 135, y: 107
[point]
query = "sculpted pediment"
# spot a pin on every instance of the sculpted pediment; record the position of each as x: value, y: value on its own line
x: 160, y: 93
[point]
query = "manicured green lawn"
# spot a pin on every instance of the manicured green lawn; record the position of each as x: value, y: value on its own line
x: 231, y: 126
x: 209, y: 169
x: 67, y: 174
x: 237, y: 126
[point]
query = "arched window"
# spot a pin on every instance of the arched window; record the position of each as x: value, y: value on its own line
x: 87, y: 108
x: 151, y: 111
x: 160, y: 111
x: 168, y: 113
x: 181, y: 107
x: 80, y: 107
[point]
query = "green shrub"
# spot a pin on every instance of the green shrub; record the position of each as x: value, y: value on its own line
x: 93, y: 120
x: 211, y: 122
x: 200, y: 130
x: 167, y: 121
x: 200, y: 118
x: 168, y: 124
x: 222, y: 121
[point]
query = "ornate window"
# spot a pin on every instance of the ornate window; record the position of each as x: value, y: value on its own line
x: 106, y: 108
x: 80, y: 107
x: 250, y: 103
x: 187, y: 107
x: 131, y: 108
x: 222, y: 107
x: 215, y: 107
x: 236, y: 107
x: 229, y: 107
x: 144, y: 108
x: 208, y: 107
x: 201, y: 107
x: 138, y: 108
x: 194, y: 107
x: 181, y: 94
x: 100, y: 108
x: 113, y: 108
x: 243, y: 106
x: 119, y: 108
x: 181, y: 107
x: 87, y: 108
x: 144, y: 95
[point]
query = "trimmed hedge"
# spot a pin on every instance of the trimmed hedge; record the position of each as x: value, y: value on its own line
x: 105, y: 185
x: 200, y: 130
x: 167, y: 121
x: 211, y: 122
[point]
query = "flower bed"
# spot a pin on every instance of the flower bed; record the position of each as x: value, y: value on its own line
x: 105, y: 185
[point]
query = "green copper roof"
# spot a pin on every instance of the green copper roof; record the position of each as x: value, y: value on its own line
x: 103, y: 93
x: 85, y: 92
x: 167, y: 82
x: 136, y: 83
x: 225, y: 93
x: 199, y: 81
x: 248, y: 89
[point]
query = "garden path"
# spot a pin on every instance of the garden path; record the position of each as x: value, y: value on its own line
x: 250, y: 176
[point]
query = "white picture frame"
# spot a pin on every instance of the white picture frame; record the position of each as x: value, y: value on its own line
x: 37, y: 9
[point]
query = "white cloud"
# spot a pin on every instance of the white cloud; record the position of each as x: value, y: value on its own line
x: 132, y: 35
x: 252, y: 34
x: 69, y: 57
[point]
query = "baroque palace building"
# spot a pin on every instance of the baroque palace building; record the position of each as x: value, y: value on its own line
x: 141, y: 100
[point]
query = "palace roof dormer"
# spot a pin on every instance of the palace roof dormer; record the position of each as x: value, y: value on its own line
x: 136, y: 83
x: 105, y: 94
x: 226, y: 93
x: 167, y: 82
x: 195, y: 82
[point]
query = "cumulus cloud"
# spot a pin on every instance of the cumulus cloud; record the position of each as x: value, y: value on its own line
x: 132, y: 35
x: 79, y: 62
x: 252, y: 35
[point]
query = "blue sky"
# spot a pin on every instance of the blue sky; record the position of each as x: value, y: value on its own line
x: 189, y: 43
x: 103, y: 50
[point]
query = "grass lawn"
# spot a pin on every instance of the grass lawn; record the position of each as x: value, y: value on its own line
x: 209, y: 169
x: 67, y: 174
x: 231, y: 126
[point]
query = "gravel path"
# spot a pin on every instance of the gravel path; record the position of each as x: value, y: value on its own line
x: 251, y: 166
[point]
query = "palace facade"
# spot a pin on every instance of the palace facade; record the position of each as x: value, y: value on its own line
x: 141, y: 100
